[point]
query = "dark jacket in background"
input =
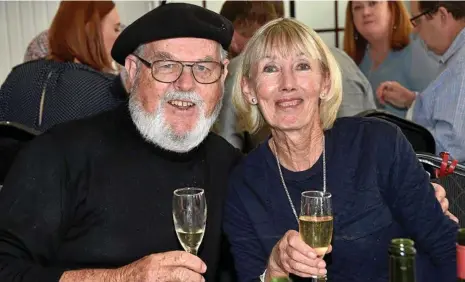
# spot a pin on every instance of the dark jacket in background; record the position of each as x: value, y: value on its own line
x: 43, y: 93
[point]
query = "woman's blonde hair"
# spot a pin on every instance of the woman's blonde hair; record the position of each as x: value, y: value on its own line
x: 355, y: 44
x: 284, y: 37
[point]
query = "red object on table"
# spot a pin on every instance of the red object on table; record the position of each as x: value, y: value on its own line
x: 445, y: 169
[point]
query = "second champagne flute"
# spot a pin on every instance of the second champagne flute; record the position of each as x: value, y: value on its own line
x: 316, y: 221
x: 190, y: 217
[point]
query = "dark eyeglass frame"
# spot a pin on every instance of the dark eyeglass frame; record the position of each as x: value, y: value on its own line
x: 184, y: 64
x: 413, y: 20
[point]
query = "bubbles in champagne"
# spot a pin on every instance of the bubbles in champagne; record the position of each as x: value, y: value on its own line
x: 317, y: 232
x: 190, y: 240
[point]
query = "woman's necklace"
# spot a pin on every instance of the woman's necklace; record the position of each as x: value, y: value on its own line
x: 284, y: 183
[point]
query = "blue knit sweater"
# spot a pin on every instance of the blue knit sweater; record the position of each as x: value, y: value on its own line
x: 380, y: 191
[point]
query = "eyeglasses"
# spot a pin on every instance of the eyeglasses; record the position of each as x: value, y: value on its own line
x: 168, y: 71
x: 417, y: 19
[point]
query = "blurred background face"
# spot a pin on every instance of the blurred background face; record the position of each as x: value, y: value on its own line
x: 111, y: 28
x: 429, y: 30
x: 243, y: 31
x: 288, y: 90
x: 372, y: 19
x: 237, y: 44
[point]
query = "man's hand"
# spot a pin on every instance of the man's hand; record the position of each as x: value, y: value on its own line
x: 393, y: 93
x: 440, y: 193
x: 175, y: 266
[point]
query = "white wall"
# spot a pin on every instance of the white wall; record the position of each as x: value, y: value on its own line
x: 21, y: 21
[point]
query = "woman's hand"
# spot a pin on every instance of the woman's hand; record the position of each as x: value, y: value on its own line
x: 393, y: 93
x: 292, y: 255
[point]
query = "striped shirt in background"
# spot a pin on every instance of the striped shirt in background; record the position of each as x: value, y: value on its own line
x: 441, y: 106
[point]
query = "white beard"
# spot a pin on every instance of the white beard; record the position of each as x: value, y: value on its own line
x: 154, y: 128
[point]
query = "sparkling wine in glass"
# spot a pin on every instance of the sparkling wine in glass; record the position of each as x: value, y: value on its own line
x: 190, y: 217
x: 316, y: 221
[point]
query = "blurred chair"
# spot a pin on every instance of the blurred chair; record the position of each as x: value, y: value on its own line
x: 453, y: 183
x: 421, y: 139
x: 12, y: 137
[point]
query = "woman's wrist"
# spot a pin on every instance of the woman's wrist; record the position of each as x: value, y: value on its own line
x: 274, y: 273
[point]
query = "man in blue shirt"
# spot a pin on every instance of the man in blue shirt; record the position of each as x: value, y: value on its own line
x: 441, y: 106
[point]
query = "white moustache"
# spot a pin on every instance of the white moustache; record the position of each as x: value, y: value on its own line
x: 192, y: 97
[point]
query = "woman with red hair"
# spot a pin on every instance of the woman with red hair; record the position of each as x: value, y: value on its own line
x: 378, y: 37
x: 74, y: 80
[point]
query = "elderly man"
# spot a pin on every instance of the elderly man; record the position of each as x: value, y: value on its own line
x: 91, y: 200
x: 440, y: 107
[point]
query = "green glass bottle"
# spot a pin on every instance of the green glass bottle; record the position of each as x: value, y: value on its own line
x: 461, y: 255
x: 281, y: 279
x: 402, y: 255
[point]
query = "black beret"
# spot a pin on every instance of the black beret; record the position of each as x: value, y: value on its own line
x: 172, y: 20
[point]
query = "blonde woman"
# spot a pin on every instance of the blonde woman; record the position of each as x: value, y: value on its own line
x: 289, y: 80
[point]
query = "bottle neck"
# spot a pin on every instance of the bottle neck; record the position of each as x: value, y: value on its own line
x: 402, y: 260
x: 461, y: 255
x: 402, y: 268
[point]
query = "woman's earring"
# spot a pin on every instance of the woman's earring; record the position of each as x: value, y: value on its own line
x: 254, y: 101
x: 322, y: 95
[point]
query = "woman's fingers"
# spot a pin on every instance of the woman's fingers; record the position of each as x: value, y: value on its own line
x: 298, y: 258
x: 295, y: 241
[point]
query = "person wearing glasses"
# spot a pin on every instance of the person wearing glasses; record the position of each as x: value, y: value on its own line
x: 289, y: 80
x: 378, y: 37
x: 91, y: 200
x: 440, y: 107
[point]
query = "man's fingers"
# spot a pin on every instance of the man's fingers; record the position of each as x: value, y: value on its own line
x: 181, y: 274
x: 452, y: 217
x: 184, y: 259
x: 445, y: 204
x: 439, y: 191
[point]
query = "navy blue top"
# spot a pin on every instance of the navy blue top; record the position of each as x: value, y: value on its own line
x: 379, y: 190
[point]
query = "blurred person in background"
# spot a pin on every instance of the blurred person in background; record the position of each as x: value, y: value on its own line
x: 441, y: 106
x: 75, y: 79
x: 248, y: 17
x: 378, y: 37
x: 38, y: 48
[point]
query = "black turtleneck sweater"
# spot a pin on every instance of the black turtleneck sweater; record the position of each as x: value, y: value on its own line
x: 94, y: 194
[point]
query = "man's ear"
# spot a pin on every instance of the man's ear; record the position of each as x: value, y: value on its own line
x: 225, y: 70
x: 444, y: 15
x: 248, y: 91
x: 130, y: 64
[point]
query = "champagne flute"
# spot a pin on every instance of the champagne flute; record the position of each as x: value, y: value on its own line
x: 190, y: 217
x: 316, y: 222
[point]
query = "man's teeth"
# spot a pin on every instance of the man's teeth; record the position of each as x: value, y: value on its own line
x: 181, y: 103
